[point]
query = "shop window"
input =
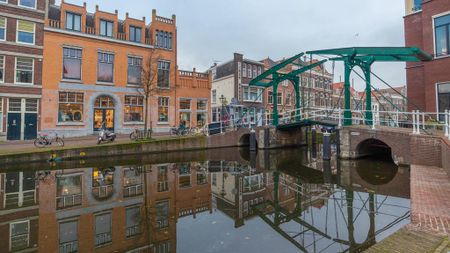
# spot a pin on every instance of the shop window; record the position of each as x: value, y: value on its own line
x: 70, y: 107
x: 163, y: 109
x: 134, y: 109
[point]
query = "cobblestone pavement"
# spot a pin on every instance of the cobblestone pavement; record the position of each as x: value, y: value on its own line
x: 430, y: 198
x: 11, y: 147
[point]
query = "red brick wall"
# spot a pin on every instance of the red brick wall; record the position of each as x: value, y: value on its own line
x: 446, y: 156
x: 426, y: 150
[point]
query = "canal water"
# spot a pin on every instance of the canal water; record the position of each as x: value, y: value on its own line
x: 218, y: 201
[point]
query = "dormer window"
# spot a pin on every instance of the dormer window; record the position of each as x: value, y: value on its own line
x: 73, y: 21
x: 135, y: 34
x: 106, y: 28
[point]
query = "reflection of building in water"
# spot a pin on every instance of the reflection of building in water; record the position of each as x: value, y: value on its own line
x: 115, y: 209
x: 19, y: 212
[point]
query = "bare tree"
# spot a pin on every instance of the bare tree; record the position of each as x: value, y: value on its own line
x: 149, y: 74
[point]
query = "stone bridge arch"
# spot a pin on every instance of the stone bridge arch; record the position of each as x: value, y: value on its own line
x: 374, y: 147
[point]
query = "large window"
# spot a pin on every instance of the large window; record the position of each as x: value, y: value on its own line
x: 105, y: 67
x: 288, y: 99
x: 72, y: 63
x: 134, y: 109
x: 132, y: 182
x: 2, y: 28
x: 103, y: 229
x: 106, y: 28
x: 163, y: 180
x: 252, y: 94
x: 25, y: 32
x: 443, y: 99
x: 279, y: 98
x: 184, y: 176
x: 73, y: 21
x: 28, y: 3
x: 135, y: 34
x: 68, y: 236
x: 134, y: 70
x: 163, y: 74
x: 70, y: 107
x: 68, y: 191
x: 2, y: 68
x: 270, y: 97
x: 214, y: 96
x: 202, y: 104
x: 163, y: 109
x: 24, y: 70
x: 19, y: 235
x: 185, y: 104
x: 162, y: 214
x: 163, y: 39
x: 133, y: 218
x: 442, y: 35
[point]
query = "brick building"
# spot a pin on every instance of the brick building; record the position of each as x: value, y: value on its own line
x: 92, y: 73
x: 21, y: 53
x: 427, y: 25
x: 231, y: 97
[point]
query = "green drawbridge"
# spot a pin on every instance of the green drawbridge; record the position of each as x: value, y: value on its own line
x: 363, y: 57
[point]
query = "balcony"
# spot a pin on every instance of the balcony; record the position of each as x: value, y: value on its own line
x: 68, y: 201
x: 132, y: 231
x: 102, y: 192
x: 132, y: 190
x: 102, y: 239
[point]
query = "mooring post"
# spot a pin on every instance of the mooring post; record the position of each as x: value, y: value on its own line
x: 326, y: 146
x: 253, y: 140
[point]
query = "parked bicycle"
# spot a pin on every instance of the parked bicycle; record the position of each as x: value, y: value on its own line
x: 140, y: 134
x: 44, y: 140
x: 180, y: 131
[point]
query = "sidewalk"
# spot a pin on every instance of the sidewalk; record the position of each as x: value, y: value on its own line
x: 12, y: 147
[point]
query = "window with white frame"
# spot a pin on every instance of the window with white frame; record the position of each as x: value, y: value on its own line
x: 279, y: 98
x: 244, y: 70
x: 68, y: 236
x: 259, y: 70
x: 163, y: 109
x: 133, y: 219
x: 270, y: 97
x: 28, y: 3
x: 72, y: 63
x: 105, y: 72
x: 288, y: 99
x: 24, y: 70
x: 252, y: 94
x: 249, y: 71
x: 2, y: 28
x: 163, y: 74
x: 134, y: 109
x: 1, y: 114
x: 2, y: 68
x: 442, y: 35
x: 255, y: 73
x: 19, y: 235
x: 3, y: 1
x: 25, y: 31
x: 134, y: 70
x: 214, y: 96
x: 70, y: 107
x: 185, y: 104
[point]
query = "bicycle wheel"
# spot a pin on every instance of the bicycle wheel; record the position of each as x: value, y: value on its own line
x: 59, y: 142
x: 133, y: 136
x: 40, y: 142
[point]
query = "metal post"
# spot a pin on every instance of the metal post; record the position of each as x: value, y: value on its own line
x: 347, y: 94
x: 373, y: 124
x: 413, y: 114
x: 446, y: 122
x: 340, y: 118
x: 418, y: 121
x: 275, y: 100
x: 298, y: 116
x: 423, y: 120
x: 369, y: 114
x: 221, y: 126
x: 326, y: 146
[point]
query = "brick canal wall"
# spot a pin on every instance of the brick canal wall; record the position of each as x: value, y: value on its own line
x: 446, y: 156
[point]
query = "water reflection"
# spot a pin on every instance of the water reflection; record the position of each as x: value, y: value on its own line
x: 215, y: 201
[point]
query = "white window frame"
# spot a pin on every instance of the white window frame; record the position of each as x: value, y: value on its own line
x: 168, y: 110
x: 17, y: 32
x: 32, y: 72
x: 434, y: 34
x: 1, y: 114
x: 24, y: 6
x: 10, y: 233
x: 214, y: 96
x: 3, y: 2
x: 6, y: 27
x: 81, y: 64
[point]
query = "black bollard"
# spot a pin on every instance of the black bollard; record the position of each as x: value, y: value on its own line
x: 326, y: 146
x: 327, y: 171
x: 313, y: 136
x: 253, y: 145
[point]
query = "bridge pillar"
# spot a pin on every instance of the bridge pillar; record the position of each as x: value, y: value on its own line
x: 275, y: 101
x: 326, y: 146
x: 347, y: 94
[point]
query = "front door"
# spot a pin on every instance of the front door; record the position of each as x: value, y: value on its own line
x: 13, y: 128
x: 30, y: 126
x: 106, y: 116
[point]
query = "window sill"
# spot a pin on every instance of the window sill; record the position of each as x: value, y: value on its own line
x: 70, y: 124
x: 441, y: 57
x: 163, y: 124
x: 133, y: 123
x: 135, y: 85
x: 71, y: 81
x: 105, y: 83
x: 163, y: 88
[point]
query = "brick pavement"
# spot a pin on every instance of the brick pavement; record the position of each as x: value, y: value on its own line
x: 430, y: 198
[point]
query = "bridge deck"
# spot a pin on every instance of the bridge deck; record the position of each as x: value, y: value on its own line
x: 306, y: 122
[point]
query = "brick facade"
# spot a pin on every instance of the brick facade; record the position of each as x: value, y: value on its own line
x: 21, y: 123
x: 423, y: 77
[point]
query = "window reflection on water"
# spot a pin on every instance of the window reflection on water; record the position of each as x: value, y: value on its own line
x: 205, y: 203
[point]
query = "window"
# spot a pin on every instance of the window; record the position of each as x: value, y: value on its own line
x: 25, y: 32
x: 163, y: 182
x: 24, y: 70
x: 288, y: 99
x: 279, y: 98
x: 20, y: 188
x: 443, y: 99
x: 162, y: 214
x: 106, y: 28
x: 185, y: 104
x: 73, y: 21
x: 132, y: 182
x: 163, y: 74
x: 28, y: 3
x: 255, y: 74
x: 135, y: 34
x: 2, y: 68
x: 442, y: 35
x: 68, y: 236
x: 72, y: 63
x: 244, y: 70
x: 184, y: 175
x: 252, y: 94
x: 249, y: 71
x: 202, y: 104
x: 68, y: 191
x: 417, y: 5
x: 270, y: 98
x: 163, y: 109
x: 103, y: 229
x: 202, y: 178
x: 19, y: 235
x: 259, y: 70
x: 2, y: 28
x: 214, y: 96
x: 163, y: 39
x: 134, y: 109
x: 133, y: 218
x: 105, y: 67
x: 70, y: 107
x: 163, y: 247
x: 134, y: 70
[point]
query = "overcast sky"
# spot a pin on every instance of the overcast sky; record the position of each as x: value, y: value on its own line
x: 212, y: 30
